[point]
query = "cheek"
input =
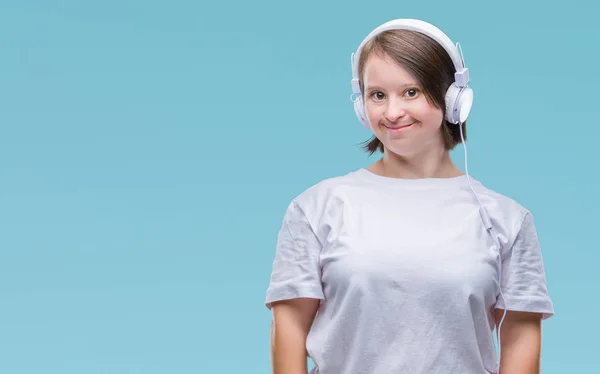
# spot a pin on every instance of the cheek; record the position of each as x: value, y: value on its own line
x: 429, y: 115
x: 373, y: 111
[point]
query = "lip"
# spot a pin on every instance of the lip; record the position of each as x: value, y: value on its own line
x: 398, y: 128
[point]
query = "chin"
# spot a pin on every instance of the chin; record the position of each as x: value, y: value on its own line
x: 402, y: 150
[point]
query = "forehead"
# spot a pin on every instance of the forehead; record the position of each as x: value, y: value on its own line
x: 382, y: 70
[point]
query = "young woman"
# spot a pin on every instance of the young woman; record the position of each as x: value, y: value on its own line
x: 407, y: 266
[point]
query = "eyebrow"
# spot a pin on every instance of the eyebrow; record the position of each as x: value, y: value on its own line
x: 374, y: 86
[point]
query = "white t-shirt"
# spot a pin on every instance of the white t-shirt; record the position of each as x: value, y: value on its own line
x: 406, y: 272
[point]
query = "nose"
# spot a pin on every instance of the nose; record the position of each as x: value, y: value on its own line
x: 395, y: 109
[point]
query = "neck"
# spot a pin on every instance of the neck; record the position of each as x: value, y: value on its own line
x: 435, y: 164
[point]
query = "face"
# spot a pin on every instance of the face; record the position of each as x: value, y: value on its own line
x: 399, y: 113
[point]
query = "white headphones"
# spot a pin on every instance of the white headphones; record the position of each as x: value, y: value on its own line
x: 459, y: 96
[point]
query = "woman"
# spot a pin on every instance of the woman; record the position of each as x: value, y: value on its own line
x: 408, y: 265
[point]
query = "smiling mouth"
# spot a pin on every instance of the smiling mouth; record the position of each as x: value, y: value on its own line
x: 398, y: 127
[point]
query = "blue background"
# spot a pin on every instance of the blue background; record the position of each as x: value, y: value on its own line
x: 149, y: 149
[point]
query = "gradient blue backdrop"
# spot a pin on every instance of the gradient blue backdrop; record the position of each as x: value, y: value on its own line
x: 149, y: 149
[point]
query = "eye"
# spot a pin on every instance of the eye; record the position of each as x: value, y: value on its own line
x: 411, y: 92
x: 377, y: 95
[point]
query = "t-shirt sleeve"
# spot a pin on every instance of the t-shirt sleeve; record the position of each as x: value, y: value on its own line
x: 524, y: 286
x: 296, y: 269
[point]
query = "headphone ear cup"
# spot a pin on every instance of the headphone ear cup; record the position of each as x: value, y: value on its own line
x: 359, y: 108
x: 465, y: 103
x: 462, y: 100
x: 451, y: 98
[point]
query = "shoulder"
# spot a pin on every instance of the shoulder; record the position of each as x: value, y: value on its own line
x: 508, y: 215
x: 321, y: 203
x: 500, y: 200
x: 328, y: 191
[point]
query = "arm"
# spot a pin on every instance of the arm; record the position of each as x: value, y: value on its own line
x: 524, y: 286
x: 291, y: 323
x: 521, y: 342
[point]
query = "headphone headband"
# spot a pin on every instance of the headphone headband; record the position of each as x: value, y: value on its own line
x: 461, y: 75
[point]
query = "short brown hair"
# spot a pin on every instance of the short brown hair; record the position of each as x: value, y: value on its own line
x: 427, y: 61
